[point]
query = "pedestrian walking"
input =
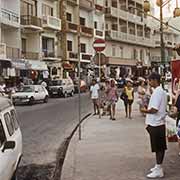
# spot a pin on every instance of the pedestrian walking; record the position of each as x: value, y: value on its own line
x: 112, y: 99
x: 94, y: 91
x: 155, y: 121
x: 128, y: 97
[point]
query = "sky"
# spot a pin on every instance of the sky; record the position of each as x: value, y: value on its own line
x: 167, y: 10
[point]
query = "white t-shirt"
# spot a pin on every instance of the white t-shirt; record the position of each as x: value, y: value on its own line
x: 94, y: 91
x: 157, y: 101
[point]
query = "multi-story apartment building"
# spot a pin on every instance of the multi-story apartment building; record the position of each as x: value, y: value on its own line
x: 88, y: 15
x: 39, y: 34
x: 129, y: 38
x: 9, y: 34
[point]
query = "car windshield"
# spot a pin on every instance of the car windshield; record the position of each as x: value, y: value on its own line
x: 56, y: 83
x: 27, y: 89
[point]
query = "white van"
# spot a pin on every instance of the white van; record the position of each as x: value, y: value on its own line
x: 10, y: 140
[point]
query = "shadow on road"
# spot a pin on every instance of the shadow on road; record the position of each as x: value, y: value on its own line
x: 36, y: 172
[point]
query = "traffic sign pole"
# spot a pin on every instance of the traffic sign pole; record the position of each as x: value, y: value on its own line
x: 99, y: 79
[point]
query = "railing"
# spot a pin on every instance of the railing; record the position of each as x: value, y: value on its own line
x: 31, y: 20
x: 87, y: 30
x: 99, y: 7
x: 98, y: 32
x: 9, y: 15
x: 47, y: 53
x: 73, y: 55
x: 73, y: 1
x: 30, y: 55
x: 12, y: 53
x: 129, y: 38
x: 86, y: 56
x: 71, y: 26
x: 52, y: 22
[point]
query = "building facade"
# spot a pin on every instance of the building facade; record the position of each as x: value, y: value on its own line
x: 129, y: 38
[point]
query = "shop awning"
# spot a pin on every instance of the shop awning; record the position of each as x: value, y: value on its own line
x: 5, y: 63
x: 37, y: 65
x: 20, y: 64
x: 67, y: 66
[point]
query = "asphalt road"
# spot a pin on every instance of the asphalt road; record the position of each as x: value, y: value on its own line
x: 44, y: 126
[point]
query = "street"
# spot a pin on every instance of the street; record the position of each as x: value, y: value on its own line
x: 44, y: 125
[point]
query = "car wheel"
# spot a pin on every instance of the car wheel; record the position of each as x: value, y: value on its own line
x: 31, y: 101
x: 65, y: 94
x: 72, y: 93
x: 46, y: 99
x: 14, y: 177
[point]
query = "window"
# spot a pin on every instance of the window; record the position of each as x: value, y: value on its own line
x: 141, y: 54
x: 95, y: 24
x: 48, y: 46
x: 9, y: 123
x: 68, y: 17
x: 83, y: 48
x: 23, y: 45
x: 14, y: 119
x: 2, y: 134
x: 134, y: 54
x: 47, y: 10
x: 107, y: 27
x: 29, y: 7
x: 69, y: 45
x: 82, y: 21
x: 121, y: 52
x: 113, y: 50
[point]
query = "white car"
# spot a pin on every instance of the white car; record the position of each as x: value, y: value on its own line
x: 30, y: 94
x: 61, y: 87
x: 10, y: 140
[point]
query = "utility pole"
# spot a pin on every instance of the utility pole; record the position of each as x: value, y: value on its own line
x: 63, y: 34
x: 162, y: 42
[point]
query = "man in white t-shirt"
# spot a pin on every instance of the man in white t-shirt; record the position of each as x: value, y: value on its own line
x: 94, y: 90
x: 155, y: 121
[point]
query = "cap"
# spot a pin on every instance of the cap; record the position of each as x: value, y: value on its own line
x: 129, y: 80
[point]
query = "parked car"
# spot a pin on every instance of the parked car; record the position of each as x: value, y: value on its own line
x: 10, y: 140
x: 61, y: 87
x: 31, y: 94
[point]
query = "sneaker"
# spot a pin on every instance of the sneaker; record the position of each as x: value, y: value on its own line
x: 154, y: 168
x: 157, y: 173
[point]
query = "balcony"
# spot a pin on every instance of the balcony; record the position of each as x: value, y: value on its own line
x: 31, y: 22
x: 3, y: 50
x: 72, y: 2
x: 50, y: 22
x: 30, y: 55
x: 48, y: 54
x: 9, y: 18
x: 86, y: 4
x: 99, y: 9
x: 98, y: 33
x: 111, y: 12
x: 129, y: 38
x: 86, y: 31
x: 72, y: 55
x: 72, y: 27
x: 86, y: 57
x: 13, y: 53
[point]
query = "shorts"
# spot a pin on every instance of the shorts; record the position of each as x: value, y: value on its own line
x: 128, y: 102
x: 95, y: 101
x: 157, y: 138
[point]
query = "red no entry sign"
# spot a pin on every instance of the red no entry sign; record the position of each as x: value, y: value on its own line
x: 99, y: 45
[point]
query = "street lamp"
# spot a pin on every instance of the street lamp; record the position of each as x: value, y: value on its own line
x: 161, y: 5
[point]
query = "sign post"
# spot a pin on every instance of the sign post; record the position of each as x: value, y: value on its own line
x: 99, y: 45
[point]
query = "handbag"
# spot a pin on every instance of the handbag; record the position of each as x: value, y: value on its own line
x: 124, y: 96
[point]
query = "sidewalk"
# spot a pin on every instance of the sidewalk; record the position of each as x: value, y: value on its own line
x: 115, y: 150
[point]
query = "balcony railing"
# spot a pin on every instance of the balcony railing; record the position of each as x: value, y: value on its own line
x: 98, y: 33
x: 47, y: 53
x: 73, y: 55
x: 9, y: 17
x: 2, y: 50
x: 51, y: 22
x: 129, y: 38
x: 86, y: 56
x: 72, y: 27
x: 31, y: 20
x: 73, y: 2
x: 30, y: 55
x: 87, y: 31
x: 99, y: 7
x: 86, y: 4
x: 12, y: 53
